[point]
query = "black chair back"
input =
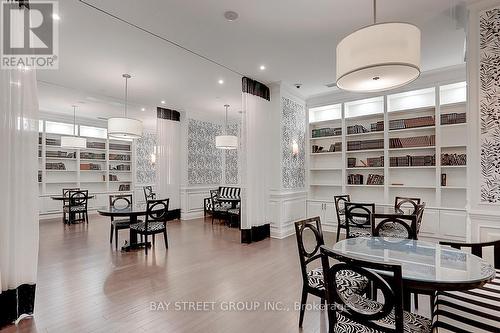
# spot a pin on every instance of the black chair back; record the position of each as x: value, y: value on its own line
x: 340, y: 201
x: 229, y: 192
x: 307, y: 255
x: 358, y: 307
x: 359, y: 215
x: 411, y: 203
x: 78, y: 198
x: 397, y: 226
x: 156, y: 211
x: 120, y: 201
x: 477, y: 249
x: 65, y: 191
x: 420, y: 216
x: 148, y: 193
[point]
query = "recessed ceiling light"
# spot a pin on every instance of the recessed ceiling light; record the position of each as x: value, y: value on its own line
x: 262, y: 67
x: 143, y: 109
x: 231, y: 15
x: 163, y: 102
x: 56, y: 17
x: 221, y: 81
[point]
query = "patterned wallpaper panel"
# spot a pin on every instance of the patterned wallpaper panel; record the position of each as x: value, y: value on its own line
x: 293, y: 129
x: 145, y: 171
x: 489, y: 71
x: 232, y: 156
x: 204, y: 160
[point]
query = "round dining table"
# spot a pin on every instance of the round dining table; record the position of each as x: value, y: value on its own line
x: 132, y: 212
x: 426, y: 267
x: 66, y: 198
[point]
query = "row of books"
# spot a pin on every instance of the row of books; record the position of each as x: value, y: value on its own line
x: 453, y: 118
x: 93, y: 156
x: 453, y: 159
x: 60, y: 154
x: 124, y: 187
x: 372, y: 162
x: 355, y: 179
x: 378, y: 126
x: 96, y: 145
x: 118, y: 157
x: 337, y: 146
x: 120, y: 167
x: 322, y: 132
x: 375, y: 180
x: 411, y: 122
x: 118, y: 146
x: 90, y: 166
x: 50, y: 142
x: 365, y: 144
x: 356, y: 129
x: 415, y: 141
x: 408, y: 160
x: 55, y: 166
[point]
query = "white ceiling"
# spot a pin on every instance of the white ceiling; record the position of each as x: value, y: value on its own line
x: 294, y: 39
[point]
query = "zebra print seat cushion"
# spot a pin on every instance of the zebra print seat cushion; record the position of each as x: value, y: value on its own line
x: 152, y: 226
x: 348, y: 281
x: 121, y: 223
x: 412, y: 324
x: 395, y: 230
x: 234, y: 211
x: 476, y: 310
x: 360, y: 232
x: 74, y: 209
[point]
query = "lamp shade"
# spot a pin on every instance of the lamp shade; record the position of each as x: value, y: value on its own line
x: 379, y: 57
x: 75, y: 142
x: 124, y: 128
x: 226, y: 142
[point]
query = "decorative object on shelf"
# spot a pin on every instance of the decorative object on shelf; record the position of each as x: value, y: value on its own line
x: 379, y: 57
x: 73, y: 141
x: 124, y: 127
x: 375, y: 180
x: 443, y: 179
x: 453, y: 159
x: 226, y: 141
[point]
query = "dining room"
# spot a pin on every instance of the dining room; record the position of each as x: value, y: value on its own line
x: 225, y: 166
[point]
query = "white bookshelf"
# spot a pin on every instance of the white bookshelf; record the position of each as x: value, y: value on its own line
x: 75, y: 174
x: 445, y: 211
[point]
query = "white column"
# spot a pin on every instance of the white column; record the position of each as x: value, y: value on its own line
x: 168, y: 159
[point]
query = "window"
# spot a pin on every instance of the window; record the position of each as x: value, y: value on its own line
x: 93, y: 132
x: 60, y: 128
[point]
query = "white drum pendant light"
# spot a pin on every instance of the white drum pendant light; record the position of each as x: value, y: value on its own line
x: 379, y: 57
x: 125, y: 128
x: 74, y: 142
x: 226, y: 141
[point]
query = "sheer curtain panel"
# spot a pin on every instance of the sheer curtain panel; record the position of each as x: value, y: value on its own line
x: 19, y: 193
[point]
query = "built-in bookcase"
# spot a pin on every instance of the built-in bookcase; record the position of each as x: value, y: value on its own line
x: 103, y: 168
x: 410, y: 144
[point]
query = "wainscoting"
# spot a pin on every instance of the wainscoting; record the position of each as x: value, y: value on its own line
x: 192, y: 200
x: 286, y: 207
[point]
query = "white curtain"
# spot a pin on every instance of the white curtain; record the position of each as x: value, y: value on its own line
x: 168, y: 161
x: 19, y: 194
x: 254, y: 161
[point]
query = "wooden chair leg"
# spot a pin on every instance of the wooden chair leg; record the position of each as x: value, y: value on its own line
x: 116, y: 238
x: 415, y: 300
x: 111, y: 234
x: 165, y: 237
x: 87, y: 216
x: 303, y: 302
x: 154, y: 238
x: 146, y: 246
x: 338, y: 232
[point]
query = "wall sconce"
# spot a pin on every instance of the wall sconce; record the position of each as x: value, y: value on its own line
x: 295, y: 148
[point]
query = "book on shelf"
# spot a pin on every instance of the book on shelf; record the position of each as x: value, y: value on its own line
x: 365, y: 144
x: 60, y: 154
x: 90, y: 166
x: 409, y: 160
x: 124, y: 187
x: 119, y: 157
x: 328, y: 131
x: 96, y: 145
x: 377, y: 127
x: 411, y: 122
x: 118, y: 146
x: 374, y: 179
x: 336, y: 147
x: 412, y: 142
x: 52, y: 142
x: 356, y: 129
x: 453, y: 159
x: 55, y: 166
x: 453, y: 118
x: 120, y: 167
x: 355, y: 179
x: 92, y: 156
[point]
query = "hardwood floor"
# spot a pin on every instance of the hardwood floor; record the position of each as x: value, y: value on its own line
x: 84, y: 285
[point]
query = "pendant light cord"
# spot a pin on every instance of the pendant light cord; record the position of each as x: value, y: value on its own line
x: 74, y: 119
x: 374, y: 11
x: 126, y: 95
x: 225, y: 122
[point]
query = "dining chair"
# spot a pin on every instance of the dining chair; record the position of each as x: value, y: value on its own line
x: 65, y: 194
x: 208, y: 203
x: 356, y: 312
x: 219, y: 209
x: 420, y: 216
x: 234, y: 214
x: 476, y: 310
x: 312, y: 279
x: 77, y: 205
x: 122, y: 201
x: 340, y: 201
x: 148, y: 193
x: 359, y: 219
x: 396, y: 226
x: 155, y: 222
x: 410, y: 203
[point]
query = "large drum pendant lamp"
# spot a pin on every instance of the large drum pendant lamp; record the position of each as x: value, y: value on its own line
x: 73, y: 142
x: 226, y: 141
x: 125, y: 128
x: 379, y: 57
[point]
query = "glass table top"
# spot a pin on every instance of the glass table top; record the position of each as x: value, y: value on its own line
x: 421, y: 261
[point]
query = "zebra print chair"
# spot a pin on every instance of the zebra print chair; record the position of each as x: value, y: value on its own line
x: 313, y: 282
x: 355, y: 312
x: 476, y: 310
